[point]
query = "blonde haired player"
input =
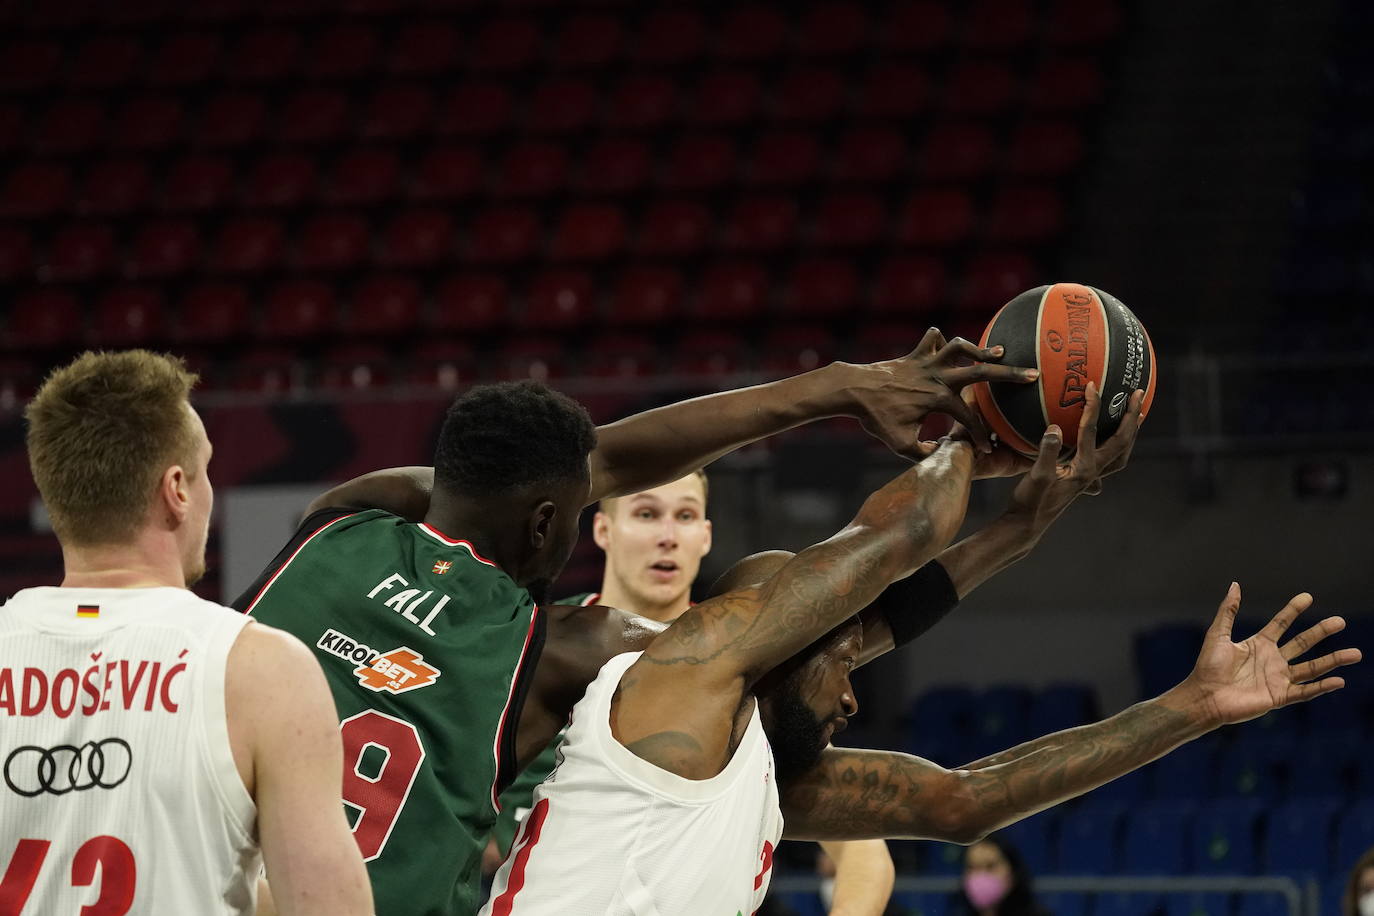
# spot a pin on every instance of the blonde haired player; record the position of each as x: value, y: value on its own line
x: 155, y: 747
x: 654, y: 542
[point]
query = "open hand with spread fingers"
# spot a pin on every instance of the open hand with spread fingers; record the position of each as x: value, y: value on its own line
x: 1237, y: 681
x: 895, y: 395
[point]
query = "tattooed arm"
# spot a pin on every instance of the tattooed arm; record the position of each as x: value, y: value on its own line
x: 677, y: 706
x: 853, y: 794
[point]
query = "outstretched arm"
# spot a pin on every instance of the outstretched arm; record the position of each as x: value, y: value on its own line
x: 864, y: 876
x: 859, y: 793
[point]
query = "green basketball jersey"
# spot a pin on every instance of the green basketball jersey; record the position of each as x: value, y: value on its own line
x: 519, y: 795
x: 428, y: 649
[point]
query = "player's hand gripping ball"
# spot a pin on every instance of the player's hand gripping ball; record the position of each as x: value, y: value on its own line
x: 1073, y: 334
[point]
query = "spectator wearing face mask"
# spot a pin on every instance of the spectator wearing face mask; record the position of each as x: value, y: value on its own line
x: 1359, y: 890
x: 997, y: 883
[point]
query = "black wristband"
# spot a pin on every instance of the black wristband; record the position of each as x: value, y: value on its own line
x: 915, y: 604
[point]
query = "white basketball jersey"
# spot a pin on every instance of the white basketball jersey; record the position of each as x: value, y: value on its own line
x: 610, y: 834
x: 119, y: 788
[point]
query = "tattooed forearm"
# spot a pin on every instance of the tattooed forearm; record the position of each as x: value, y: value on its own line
x: 860, y: 794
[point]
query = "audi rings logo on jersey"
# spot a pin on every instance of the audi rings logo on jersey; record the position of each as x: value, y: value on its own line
x: 31, y: 770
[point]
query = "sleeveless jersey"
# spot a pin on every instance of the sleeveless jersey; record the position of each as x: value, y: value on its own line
x: 428, y: 649
x: 518, y: 798
x: 120, y: 792
x: 611, y: 834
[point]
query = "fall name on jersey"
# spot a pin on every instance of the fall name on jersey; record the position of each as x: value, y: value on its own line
x: 114, y: 684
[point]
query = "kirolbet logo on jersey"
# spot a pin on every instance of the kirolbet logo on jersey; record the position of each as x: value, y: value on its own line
x: 397, y: 671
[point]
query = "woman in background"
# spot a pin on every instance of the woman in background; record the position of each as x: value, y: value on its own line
x: 996, y: 881
x: 1359, y: 890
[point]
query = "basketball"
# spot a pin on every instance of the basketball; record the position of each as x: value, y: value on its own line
x: 1074, y: 335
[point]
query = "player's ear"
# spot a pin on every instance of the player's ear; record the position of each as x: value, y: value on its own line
x: 601, y: 530
x: 706, y: 545
x: 173, y: 493
x: 541, y: 523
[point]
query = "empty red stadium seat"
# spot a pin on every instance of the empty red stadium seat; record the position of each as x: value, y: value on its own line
x: 1082, y: 22
x: 698, y: 162
x: 425, y: 47
x: 333, y: 241
x: 559, y: 299
x: 870, y: 154
x: 213, y: 313
x: 397, y: 112
x: 230, y: 120
x: 674, y: 227
x: 588, y: 40
x: 832, y: 28
x: 532, y: 168
x: 1025, y: 214
x: 16, y: 253
x: 298, y: 309
x: 103, y: 62
x: 641, y: 101
x: 894, y: 90
x: 145, y: 123
x: 282, y: 180
x: 785, y: 157
x: 44, y: 318
x: 69, y: 126
x: 36, y: 189
x: 620, y: 355
x: 999, y: 25
x: 27, y: 65
x: 470, y: 302
x: 709, y: 353
x: 760, y: 223
x: 313, y: 116
x: 504, y: 234
x: 751, y: 32
x: 183, y: 59
x: 416, y: 238
x: 957, y: 151
x: 448, y: 172
x: 822, y: 287
x: 809, y: 94
x: 129, y: 316
x: 586, y: 232
x: 504, y: 45
x: 1045, y: 148
x: 248, y: 245
x: 164, y: 248
x: 263, y: 55
x: 936, y: 217
x: 788, y: 350
x: 992, y: 279
x: 363, y: 176
x: 475, y: 108
x: 732, y: 291
x: 646, y: 296
x: 384, y: 305
x: 617, y: 165
x: 534, y: 358
x: 724, y: 97
x: 876, y: 342
x: 115, y: 187
x: 562, y: 105
x: 669, y: 36
x: 1064, y: 83
x: 268, y: 370
x: 978, y: 87
x: 443, y: 364
x: 197, y: 183
x: 909, y: 285
x: 79, y: 252
x: 340, y: 52
x: 915, y: 25
x: 353, y: 367
x: 849, y: 219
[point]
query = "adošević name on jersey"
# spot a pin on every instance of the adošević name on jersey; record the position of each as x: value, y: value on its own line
x: 398, y: 671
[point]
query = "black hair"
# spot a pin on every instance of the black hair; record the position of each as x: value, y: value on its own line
x: 511, y: 435
x: 1020, y: 899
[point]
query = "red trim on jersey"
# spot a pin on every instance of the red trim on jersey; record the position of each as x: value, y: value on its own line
x: 591, y: 599
x: 534, y: 825
x: 268, y: 584
x: 505, y: 711
x: 454, y: 542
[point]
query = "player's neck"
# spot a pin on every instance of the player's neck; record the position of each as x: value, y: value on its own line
x: 469, y: 521
x: 150, y: 561
x: 612, y: 595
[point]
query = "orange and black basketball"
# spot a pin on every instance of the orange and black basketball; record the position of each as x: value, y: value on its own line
x: 1073, y: 334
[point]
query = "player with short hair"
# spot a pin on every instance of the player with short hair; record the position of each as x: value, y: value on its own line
x: 430, y: 633
x: 156, y: 747
x: 667, y: 799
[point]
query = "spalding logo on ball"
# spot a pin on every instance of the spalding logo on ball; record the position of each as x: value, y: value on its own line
x: 1073, y: 334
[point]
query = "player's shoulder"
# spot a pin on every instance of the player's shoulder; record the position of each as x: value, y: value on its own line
x: 266, y: 655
